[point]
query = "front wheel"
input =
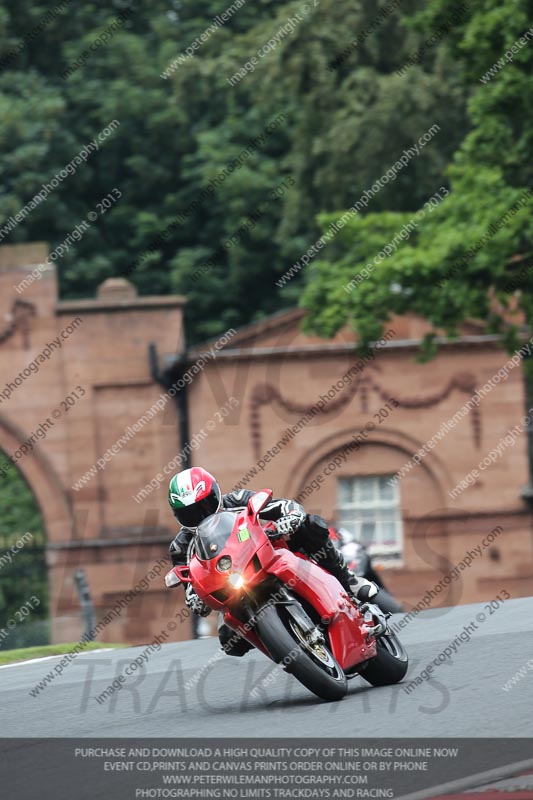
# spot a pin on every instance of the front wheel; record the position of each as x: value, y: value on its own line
x: 311, y: 664
x: 389, y: 665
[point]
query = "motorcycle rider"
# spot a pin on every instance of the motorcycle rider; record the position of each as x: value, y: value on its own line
x: 194, y: 495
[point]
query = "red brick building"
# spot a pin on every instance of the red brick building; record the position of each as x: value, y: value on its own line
x: 103, y: 366
x: 307, y: 419
x: 375, y: 416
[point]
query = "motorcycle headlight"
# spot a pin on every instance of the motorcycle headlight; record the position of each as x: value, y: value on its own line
x: 224, y: 563
x: 236, y: 581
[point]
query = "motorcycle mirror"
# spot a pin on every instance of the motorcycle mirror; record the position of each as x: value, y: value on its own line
x: 171, y: 579
x: 178, y: 574
x: 259, y: 501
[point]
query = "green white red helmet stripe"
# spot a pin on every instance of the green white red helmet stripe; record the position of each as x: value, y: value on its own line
x: 189, y: 486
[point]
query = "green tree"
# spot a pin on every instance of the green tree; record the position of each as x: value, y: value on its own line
x: 344, y: 125
x: 25, y: 575
x: 471, y: 256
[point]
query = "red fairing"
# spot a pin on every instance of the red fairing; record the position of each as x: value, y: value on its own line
x: 206, y: 579
x: 182, y: 572
x: 346, y: 627
x: 239, y: 536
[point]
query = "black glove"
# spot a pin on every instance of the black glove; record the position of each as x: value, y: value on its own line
x: 195, y: 604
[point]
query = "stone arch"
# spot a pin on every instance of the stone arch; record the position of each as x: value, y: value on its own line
x: 304, y: 469
x: 43, y: 481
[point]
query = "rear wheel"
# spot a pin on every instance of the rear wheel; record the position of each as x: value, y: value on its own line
x: 311, y: 663
x: 390, y: 664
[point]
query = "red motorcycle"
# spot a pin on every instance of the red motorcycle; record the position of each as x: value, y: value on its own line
x: 288, y: 607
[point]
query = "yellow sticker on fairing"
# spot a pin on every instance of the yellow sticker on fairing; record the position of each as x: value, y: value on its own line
x: 243, y: 534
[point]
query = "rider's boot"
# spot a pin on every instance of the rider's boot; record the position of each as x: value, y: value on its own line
x: 232, y: 643
x: 333, y: 561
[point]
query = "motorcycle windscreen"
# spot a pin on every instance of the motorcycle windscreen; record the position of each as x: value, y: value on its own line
x: 213, y: 533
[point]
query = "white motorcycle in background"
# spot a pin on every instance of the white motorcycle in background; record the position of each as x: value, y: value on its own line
x: 359, y: 561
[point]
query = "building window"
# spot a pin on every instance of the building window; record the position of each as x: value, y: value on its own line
x: 369, y: 508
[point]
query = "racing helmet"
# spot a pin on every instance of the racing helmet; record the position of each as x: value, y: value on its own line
x: 194, y: 495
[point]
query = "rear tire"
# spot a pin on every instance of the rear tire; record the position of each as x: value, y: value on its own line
x: 326, y: 681
x: 390, y: 664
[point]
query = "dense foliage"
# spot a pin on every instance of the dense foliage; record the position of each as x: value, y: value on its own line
x: 23, y: 574
x: 332, y: 73
x: 471, y: 256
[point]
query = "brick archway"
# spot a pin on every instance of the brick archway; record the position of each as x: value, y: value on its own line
x: 399, y: 441
x: 43, y: 482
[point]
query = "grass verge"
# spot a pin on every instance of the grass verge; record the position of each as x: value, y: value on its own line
x: 26, y: 653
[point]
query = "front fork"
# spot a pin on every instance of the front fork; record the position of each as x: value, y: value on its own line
x: 281, y: 596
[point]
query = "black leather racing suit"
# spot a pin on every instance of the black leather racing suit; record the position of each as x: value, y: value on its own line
x: 311, y: 538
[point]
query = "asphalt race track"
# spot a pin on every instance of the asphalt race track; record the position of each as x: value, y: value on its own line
x: 186, y: 689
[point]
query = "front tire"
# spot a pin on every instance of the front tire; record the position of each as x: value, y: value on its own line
x: 320, y: 674
x: 390, y: 664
